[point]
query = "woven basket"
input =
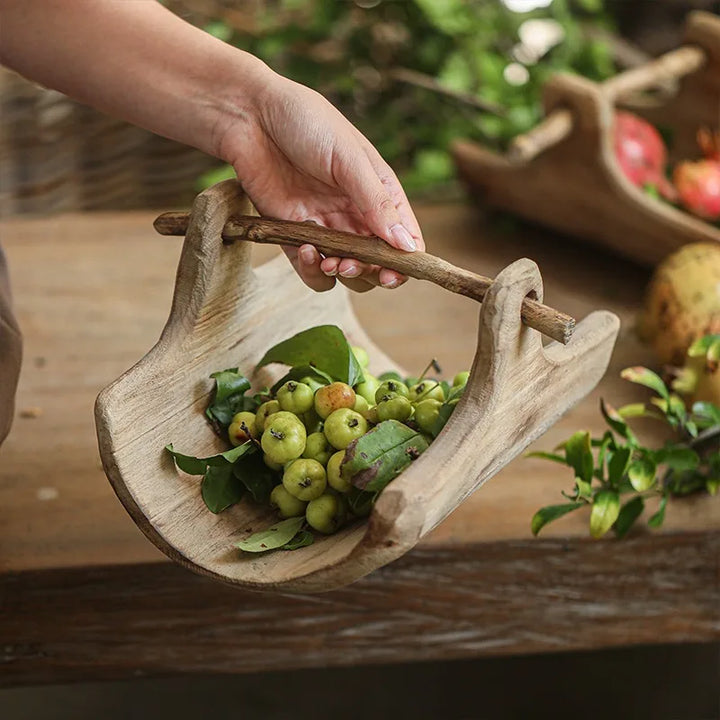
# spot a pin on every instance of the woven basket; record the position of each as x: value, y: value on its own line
x: 57, y: 155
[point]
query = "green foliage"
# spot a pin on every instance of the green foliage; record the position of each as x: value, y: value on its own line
x: 323, y: 348
x: 618, y: 464
x: 280, y: 535
x: 380, y: 455
x: 351, y: 54
x: 229, y: 397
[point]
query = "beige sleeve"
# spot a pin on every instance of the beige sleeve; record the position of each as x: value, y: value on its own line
x: 10, y: 352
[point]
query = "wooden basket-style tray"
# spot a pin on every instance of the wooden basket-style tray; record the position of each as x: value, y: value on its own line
x: 564, y: 174
x: 226, y: 314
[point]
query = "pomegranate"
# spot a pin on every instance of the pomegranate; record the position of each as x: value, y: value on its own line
x: 642, y: 154
x: 698, y: 183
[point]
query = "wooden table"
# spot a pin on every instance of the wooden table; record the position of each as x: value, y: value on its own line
x: 84, y: 595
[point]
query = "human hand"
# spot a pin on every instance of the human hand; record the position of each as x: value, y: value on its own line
x: 298, y: 158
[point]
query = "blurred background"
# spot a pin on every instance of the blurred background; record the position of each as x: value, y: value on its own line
x: 412, y: 74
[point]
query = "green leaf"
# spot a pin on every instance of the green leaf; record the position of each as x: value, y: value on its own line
x: 257, y: 477
x: 618, y: 464
x: 712, y: 485
x: 272, y: 538
x: 578, y: 452
x: 642, y: 474
x: 452, y: 393
x: 449, y: 16
x: 197, y: 466
x: 188, y: 463
x: 547, y: 456
x: 606, y: 447
x: 657, y: 519
x: 701, y: 346
x: 380, y: 455
x: 324, y: 348
x: 643, y: 376
x: 677, y: 458
x: 605, y: 511
x: 361, y: 502
x: 713, y: 355
x: 229, y: 398
x: 627, y: 516
x: 583, y: 489
x: 220, y: 488
x: 706, y: 412
x: 632, y: 410
x: 677, y: 406
x: 615, y: 421
x: 551, y: 512
x: 301, y: 539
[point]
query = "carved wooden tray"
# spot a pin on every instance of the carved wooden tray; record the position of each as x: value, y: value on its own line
x: 564, y: 175
x: 226, y: 314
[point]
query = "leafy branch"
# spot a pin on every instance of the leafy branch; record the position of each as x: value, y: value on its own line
x: 616, y: 474
x: 385, y: 65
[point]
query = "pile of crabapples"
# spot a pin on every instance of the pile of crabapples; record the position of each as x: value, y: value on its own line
x: 304, y: 430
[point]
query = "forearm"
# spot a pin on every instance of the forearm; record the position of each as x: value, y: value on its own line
x: 136, y: 60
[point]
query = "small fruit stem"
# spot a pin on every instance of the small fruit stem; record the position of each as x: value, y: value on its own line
x: 432, y: 364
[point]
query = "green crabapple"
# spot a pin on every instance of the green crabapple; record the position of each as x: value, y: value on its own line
x: 287, y: 505
x: 361, y: 356
x: 334, y: 475
x: 263, y: 412
x: 361, y: 404
x: 318, y: 448
x: 313, y: 383
x: 426, y: 390
x: 426, y: 414
x: 343, y: 426
x: 242, y: 428
x: 295, y: 397
x: 284, y: 437
x: 395, y: 408
x: 461, y: 379
x: 389, y: 389
x: 327, y: 513
x: 305, y: 479
x: 367, y: 388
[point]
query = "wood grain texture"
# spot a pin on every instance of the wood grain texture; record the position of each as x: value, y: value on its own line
x: 57, y: 509
x: 83, y: 594
x: 565, y: 175
x: 434, y: 603
x: 419, y: 265
x: 225, y: 315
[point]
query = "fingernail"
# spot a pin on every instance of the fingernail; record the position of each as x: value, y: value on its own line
x: 403, y: 238
x: 307, y: 255
x: 331, y: 273
x: 391, y: 283
x: 351, y: 272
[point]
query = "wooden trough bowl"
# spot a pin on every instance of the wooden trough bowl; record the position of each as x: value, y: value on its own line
x: 226, y: 314
x: 563, y: 174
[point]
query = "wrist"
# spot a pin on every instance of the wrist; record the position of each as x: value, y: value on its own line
x: 238, y: 96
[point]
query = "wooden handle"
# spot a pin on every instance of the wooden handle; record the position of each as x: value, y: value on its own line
x: 558, y: 125
x: 335, y: 243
